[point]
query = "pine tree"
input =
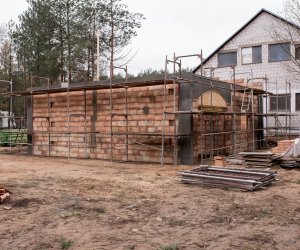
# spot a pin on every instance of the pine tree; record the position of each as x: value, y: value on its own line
x: 57, y: 38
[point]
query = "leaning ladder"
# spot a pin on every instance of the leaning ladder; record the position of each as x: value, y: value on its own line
x: 247, y: 99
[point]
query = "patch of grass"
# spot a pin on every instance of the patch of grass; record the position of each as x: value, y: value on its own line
x: 154, y: 196
x: 25, y: 202
x: 43, y: 245
x: 169, y: 247
x: 138, y: 179
x: 183, y: 207
x: 201, y: 245
x: 78, y: 210
x: 121, y: 194
x: 68, y: 181
x: 248, y: 247
x: 239, y: 213
x: 65, y: 244
x: 29, y: 184
x: 264, y: 212
x: 74, y: 207
x: 99, y: 210
x: 175, y: 222
x: 258, y: 240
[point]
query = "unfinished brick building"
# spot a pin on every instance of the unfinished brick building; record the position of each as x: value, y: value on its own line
x: 180, y: 120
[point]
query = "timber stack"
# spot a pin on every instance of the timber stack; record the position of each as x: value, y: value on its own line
x: 257, y: 159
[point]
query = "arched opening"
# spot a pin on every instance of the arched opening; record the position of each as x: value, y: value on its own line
x: 212, y: 101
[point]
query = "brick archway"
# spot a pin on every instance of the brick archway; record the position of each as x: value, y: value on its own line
x: 212, y: 100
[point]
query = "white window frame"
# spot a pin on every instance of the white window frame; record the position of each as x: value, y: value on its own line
x: 247, y: 54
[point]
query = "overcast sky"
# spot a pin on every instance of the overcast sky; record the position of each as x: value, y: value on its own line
x: 183, y: 27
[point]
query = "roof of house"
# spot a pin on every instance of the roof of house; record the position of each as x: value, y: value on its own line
x: 242, y: 28
x: 121, y: 83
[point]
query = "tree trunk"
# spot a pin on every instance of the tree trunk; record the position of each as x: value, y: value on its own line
x: 112, y: 42
x: 61, y: 46
x: 69, y: 42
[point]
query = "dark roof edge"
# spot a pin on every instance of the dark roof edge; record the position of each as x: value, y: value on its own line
x: 120, y: 83
x: 241, y: 29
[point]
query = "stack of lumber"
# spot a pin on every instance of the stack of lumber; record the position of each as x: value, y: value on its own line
x: 4, y: 194
x: 257, y: 159
x: 245, y: 179
x: 283, y: 146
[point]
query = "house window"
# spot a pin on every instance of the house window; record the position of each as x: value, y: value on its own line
x: 280, y: 103
x: 297, y: 52
x: 279, y: 52
x: 251, y: 55
x: 297, y: 101
x: 227, y: 59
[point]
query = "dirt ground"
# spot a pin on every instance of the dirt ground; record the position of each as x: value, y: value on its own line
x: 88, y: 204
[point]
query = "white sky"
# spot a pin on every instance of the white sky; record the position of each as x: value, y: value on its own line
x: 183, y: 27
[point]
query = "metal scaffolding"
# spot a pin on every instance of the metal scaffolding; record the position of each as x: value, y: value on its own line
x: 215, y: 126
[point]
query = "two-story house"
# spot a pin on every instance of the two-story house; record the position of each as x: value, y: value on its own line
x: 267, y: 46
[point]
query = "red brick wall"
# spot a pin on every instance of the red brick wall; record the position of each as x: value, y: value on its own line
x: 90, y: 139
x: 223, y: 142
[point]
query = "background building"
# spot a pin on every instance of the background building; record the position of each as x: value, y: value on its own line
x: 263, y: 53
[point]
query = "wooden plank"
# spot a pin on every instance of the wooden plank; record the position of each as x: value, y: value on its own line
x: 256, y: 153
x: 257, y: 159
x: 260, y: 164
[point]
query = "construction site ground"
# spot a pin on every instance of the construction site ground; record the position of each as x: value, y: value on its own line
x: 90, y: 204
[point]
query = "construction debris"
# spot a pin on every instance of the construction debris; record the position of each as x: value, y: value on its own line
x: 4, y: 194
x: 257, y: 159
x: 233, y: 161
x: 220, y: 161
x: 245, y: 179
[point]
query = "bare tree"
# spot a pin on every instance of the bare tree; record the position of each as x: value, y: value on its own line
x: 3, y: 33
x: 289, y: 32
x: 6, y: 57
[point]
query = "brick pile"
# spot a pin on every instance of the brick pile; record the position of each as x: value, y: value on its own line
x: 4, y: 194
x: 283, y: 146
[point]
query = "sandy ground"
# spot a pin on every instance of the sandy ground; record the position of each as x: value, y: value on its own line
x: 87, y: 204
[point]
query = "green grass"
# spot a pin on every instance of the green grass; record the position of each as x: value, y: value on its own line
x: 169, y: 247
x: 65, y: 244
x: 175, y: 223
